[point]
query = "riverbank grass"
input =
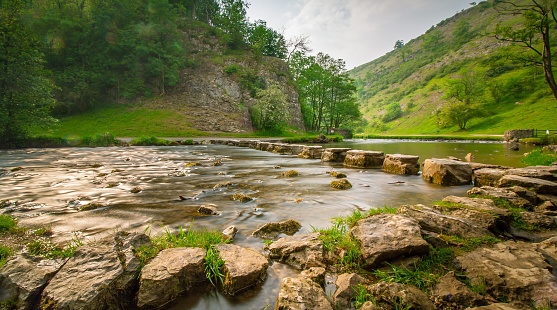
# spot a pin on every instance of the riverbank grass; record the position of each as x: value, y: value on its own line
x: 539, y: 158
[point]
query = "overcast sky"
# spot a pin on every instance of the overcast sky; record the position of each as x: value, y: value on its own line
x: 357, y: 31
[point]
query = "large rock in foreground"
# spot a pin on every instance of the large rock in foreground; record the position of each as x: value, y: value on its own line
x: 301, y: 252
x: 537, y: 185
x: 169, y: 275
x: 301, y: 293
x: 23, y: 278
x: 388, y: 295
x: 447, y: 172
x: 243, y: 268
x: 101, y: 275
x: 388, y: 236
x: 401, y: 164
x: 364, y: 159
x: 512, y: 270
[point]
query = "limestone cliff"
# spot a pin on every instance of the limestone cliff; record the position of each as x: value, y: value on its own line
x: 218, y: 86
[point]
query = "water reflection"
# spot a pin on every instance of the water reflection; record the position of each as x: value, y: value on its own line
x: 58, y: 182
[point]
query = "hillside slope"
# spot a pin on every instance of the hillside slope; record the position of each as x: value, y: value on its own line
x: 406, y: 90
x: 215, y: 92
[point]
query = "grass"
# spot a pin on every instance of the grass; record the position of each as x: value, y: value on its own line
x: 150, y: 140
x: 337, y: 241
x: 357, y: 215
x: 205, y: 239
x: 539, y: 158
x: 7, y: 224
x: 5, y: 253
x: 45, y: 248
x: 362, y: 296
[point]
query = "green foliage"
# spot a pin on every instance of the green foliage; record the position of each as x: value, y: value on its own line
x: 337, y: 239
x: 393, y: 111
x: 231, y: 69
x: 357, y: 215
x: 5, y: 253
x: 8, y: 224
x: 266, y: 41
x: 539, y: 158
x: 233, y: 21
x: 213, y: 264
x: 46, y: 248
x: 425, y: 273
x: 469, y: 244
x: 25, y: 91
x: 145, y: 141
x: 101, y: 139
x: 362, y: 296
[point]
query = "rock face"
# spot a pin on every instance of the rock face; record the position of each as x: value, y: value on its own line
x: 364, y: 159
x: 449, y: 290
x: 23, y: 278
x: 334, y: 155
x: 514, y: 270
x: 301, y: 252
x: 388, y: 236
x: 538, y: 185
x: 447, y: 172
x: 482, y: 212
x: 401, y: 164
x: 487, y: 176
x: 345, y: 292
x: 433, y: 220
x: 301, y: 293
x: 501, y: 193
x: 243, y: 268
x: 169, y: 275
x: 390, y: 294
x: 103, y: 275
x: 274, y: 229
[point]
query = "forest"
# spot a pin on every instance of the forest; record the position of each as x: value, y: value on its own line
x: 66, y: 57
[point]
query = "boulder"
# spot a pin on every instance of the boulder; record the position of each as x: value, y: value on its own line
x: 447, y: 172
x: 24, y: 277
x: 208, y: 210
x: 243, y: 268
x: 274, y: 229
x: 170, y: 274
x: 364, y: 159
x: 487, y: 176
x: 301, y: 251
x: 296, y: 149
x: 469, y: 157
x: 483, y: 212
x: 451, y: 291
x: 401, y: 164
x: 538, y: 220
x: 345, y: 292
x: 537, y: 185
x: 501, y: 193
x: 230, y: 231
x: 311, y: 152
x: 539, y: 172
x: 334, y: 155
x: 388, y: 236
x: 301, y: 293
x: 100, y: 275
x: 390, y: 295
x: 548, y: 248
x: 282, y: 148
x: 316, y: 274
x: 341, y: 184
x: 433, y: 220
x: 511, y: 270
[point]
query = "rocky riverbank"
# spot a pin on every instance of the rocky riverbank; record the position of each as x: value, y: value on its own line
x: 498, y: 247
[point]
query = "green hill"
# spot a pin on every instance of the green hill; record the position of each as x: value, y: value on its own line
x: 406, y: 91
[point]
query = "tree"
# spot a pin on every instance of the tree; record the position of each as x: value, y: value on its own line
x: 271, y: 110
x: 266, y: 41
x: 399, y: 44
x: 538, y: 19
x: 25, y: 92
x: 233, y: 21
x: 299, y: 44
x: 466, y: 95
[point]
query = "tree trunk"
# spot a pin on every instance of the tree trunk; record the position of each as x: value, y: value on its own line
x: 546, y: 60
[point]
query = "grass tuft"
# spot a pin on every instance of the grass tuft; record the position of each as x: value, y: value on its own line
x: 7, y: 224
x: 539, y: 158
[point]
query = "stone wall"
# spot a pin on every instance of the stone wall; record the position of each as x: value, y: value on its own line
x: 519, y: 134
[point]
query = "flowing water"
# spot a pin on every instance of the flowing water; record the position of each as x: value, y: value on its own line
x: 54, y: 183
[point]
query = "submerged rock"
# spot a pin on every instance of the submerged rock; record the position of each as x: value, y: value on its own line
x: 274, y: 229
x: 243, y: 268
x: 101, y: 275
x: 208, y: 210
x: 341, y: 184
x: 289, y: 174
x: 242, y: 197
x: 169, y: 275
x: 301, y: 293
x: 447, y: 172
x: 301, y: 252
x: 385, y: 237
x: 24, y: 277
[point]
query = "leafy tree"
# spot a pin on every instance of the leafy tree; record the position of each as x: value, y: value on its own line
x: 271, y: 109
x: 233, y: 21
x: 25, y: 92
x: 399, y: 44
x: 392, y: 112
x: 538, y: 20
x: 462, y: 32
x: 465, y: 95
x: 432, y: 39
x: 266, y: 41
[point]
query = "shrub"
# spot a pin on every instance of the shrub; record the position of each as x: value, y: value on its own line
x: 147, y: 141
x: 231, y: 69
x: 538, y: 158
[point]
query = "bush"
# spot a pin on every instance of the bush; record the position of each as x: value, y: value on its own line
x: 146, y: 141
x: 393, y: 112
x: 538, y: 158
x: 231, y: 69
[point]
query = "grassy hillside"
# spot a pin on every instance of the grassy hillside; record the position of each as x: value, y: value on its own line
x: 405, y: 91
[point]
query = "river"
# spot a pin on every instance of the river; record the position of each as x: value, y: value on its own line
x: 55, y: 183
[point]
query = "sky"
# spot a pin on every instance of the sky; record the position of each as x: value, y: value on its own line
x: 357, y: 31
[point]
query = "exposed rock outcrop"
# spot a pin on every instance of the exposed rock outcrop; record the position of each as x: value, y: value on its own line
x: 301, y: 251
x: 101, y: 275
x: 390, y: 294
x: 451, y: 291
x: 447, y: 172
x: 385, y: 237
x: 301, y: 293
x: 243, y: 268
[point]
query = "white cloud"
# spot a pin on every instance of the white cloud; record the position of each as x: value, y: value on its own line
x: 357, y: 31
